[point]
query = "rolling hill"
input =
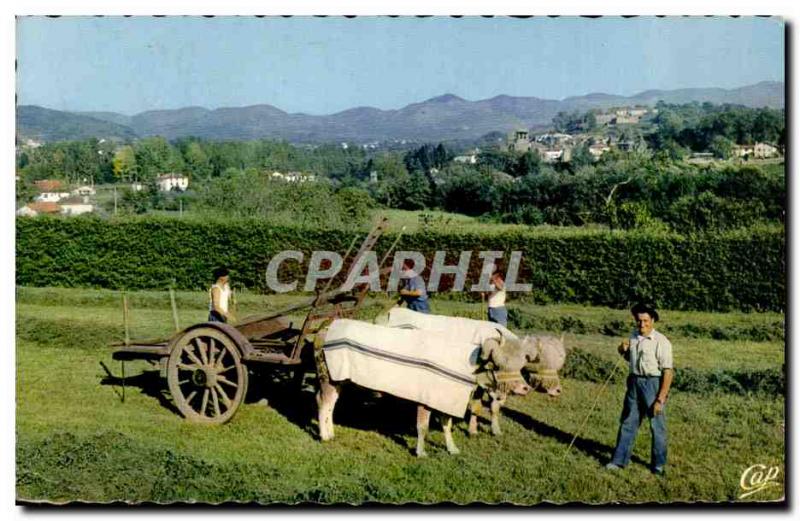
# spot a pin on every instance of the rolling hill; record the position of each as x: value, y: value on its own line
x: 442, y: 118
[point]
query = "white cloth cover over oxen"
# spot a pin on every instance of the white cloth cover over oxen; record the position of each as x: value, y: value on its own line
x: 433, y: 368
x: 467, y: 329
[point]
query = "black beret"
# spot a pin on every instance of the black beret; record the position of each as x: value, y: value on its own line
x: 645, y: 308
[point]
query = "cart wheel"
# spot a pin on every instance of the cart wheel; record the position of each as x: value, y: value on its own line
x: 206, y: 376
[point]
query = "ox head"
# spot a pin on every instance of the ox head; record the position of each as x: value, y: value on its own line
x: 544, y: 369
x: 508, y: 357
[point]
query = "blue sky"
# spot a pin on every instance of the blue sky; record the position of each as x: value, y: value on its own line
x: 325, y: 65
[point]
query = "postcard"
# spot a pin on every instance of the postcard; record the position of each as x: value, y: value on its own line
x: 374, y: 260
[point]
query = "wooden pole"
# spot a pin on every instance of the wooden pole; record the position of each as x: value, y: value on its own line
x: 125, y: 318
x: 115, y: 199
x: 346, y: 255
x: 174, y: 309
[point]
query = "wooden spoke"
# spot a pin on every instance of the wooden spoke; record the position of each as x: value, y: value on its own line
x: 185, y: 367
x: 205, y: 402
x: 222, y: 379
x: 218, y: 362
x: 189, y: 350
x: 181, y: 382
x: 215, y: 401
x: 192, y: 395
x: 225, y: 369
x: 203, y: 350
x: 212, y: 350
x: 221, y: 392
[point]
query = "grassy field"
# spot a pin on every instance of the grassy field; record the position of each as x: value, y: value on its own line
x: 77, y: 441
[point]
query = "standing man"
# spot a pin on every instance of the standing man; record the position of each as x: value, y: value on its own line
x: 219, y: 295
x: 412, y: 289
x: 497, y: 300
x: 649, y: 356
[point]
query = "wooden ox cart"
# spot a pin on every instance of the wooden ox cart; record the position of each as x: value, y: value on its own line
x: 207, y: 364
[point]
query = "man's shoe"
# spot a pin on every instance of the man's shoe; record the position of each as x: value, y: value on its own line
x: 660, y: 471
x: 613, y: 466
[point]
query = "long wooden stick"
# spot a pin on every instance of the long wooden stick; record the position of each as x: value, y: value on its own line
x: 125, y: 318
x: 392, y: 247
x: 591, y: 409
x: 346, y: 255
x: 174, y: 309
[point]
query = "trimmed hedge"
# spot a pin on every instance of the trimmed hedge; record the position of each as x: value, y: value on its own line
x: 743, y: 270
x: 526, y: 321
x: 582, y: 365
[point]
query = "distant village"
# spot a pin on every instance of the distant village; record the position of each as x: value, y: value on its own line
x: 554, y: 147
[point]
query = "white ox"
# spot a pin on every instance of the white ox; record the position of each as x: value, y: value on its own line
x: 435, y: 369
x: 550, y: 356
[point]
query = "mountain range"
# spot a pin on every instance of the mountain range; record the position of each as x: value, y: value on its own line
x: 443, y: 118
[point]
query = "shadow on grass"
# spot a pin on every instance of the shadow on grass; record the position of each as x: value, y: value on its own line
x: 149, y: 383
x: 294, y: 398
x: 592, y: 448
x: 357, y: 408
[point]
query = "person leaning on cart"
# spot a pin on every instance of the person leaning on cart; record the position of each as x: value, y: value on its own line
x: 219, y: 296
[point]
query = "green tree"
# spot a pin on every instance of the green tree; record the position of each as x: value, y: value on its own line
x: 154, y: 156
x: 581, y: 157
x: 197, y: 162
x: 497, y: 160
x: 527, y: 164
x: 721, y: 147
x: 124, y: 163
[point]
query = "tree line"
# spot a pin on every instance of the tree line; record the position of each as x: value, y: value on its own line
x: 623, y: 189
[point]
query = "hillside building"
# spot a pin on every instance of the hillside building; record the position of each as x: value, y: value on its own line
x: 171, y: 181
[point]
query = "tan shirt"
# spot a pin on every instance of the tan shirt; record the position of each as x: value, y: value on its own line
x: 649, y: 355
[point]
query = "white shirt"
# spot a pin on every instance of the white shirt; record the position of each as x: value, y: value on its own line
x: 649, y: 355
x: 497, y: 298
x: 224, y: 296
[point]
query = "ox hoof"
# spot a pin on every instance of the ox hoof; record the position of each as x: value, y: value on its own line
x: 422, y: 454
x: 454, y: 451
x: 497, y: 432
x: 473, y: 433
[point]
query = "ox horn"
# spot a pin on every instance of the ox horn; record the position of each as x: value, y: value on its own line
x: 502, y: 338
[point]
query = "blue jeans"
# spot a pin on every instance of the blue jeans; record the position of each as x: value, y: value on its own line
x: 213, y: 316
x: 640, y: 395
x: 418, y: 304
x: 499, y: 316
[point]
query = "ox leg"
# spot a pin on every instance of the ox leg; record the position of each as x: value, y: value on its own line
x: 475, y: 407
x: 327, y: 395
x: 423, y: 422
x: 497, y: 403
x: 447, y: 427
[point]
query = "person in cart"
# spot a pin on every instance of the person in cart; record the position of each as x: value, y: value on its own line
x: 219, y: 296
x: 412, y: 289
